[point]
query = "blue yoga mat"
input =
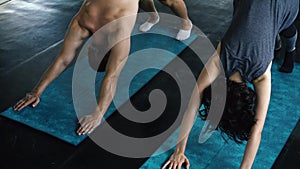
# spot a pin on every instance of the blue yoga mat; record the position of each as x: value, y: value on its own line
x: 283, y: 114
x: 55, y: 113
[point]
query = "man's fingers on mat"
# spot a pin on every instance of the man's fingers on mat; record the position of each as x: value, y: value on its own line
x: 91, y: 130
x: 179, y: 165
x: 28, y: 99
x: 175, y: 165
x: 23, y: 104
x: 36, y: 102
x: 28, y: 102
x: 79, y: 131
x: 166, y: 164
x: 85, y: 128
x: 81, y: 120
x: 171, y: 165
x: 82, y: 124
x: 18, y: 103
x: 187, y: 163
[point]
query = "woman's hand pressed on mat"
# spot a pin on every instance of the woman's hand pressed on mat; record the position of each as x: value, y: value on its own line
x: 30, y: 98
x: 176, y: 161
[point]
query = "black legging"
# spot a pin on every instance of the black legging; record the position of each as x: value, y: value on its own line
x: 289, y: 32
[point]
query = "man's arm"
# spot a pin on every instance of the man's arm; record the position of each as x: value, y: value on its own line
x: 263, y: 94
x: 72, y: 41
x: 117, y: 59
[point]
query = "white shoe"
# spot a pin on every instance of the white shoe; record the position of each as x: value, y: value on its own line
x: 147, y: 25
x: 184, y: 34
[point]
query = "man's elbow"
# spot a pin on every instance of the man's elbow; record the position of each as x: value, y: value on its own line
x: 66, y: 63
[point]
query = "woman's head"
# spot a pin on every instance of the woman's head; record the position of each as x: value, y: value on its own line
x: 239, y: 115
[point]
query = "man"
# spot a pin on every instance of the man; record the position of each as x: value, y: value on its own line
x: 177, y: 6
x: 93, y: 15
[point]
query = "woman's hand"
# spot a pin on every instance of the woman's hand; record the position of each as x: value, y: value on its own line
x: 30, y: 98
x: 176, y: 161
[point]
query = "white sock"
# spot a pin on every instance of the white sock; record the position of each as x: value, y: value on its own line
x: 147, y: 26
x: 184, y: 34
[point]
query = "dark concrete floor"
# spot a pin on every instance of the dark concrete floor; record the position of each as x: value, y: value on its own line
x: 290, y: 154
x: 30, y: 36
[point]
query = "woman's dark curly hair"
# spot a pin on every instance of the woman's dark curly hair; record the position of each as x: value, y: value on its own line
x: 238, y: 116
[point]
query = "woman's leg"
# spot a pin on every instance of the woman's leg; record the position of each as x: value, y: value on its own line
x: 290, y: 34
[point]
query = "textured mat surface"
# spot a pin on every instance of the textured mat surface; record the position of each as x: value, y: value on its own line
x: 283, y: 114
x: 55, y: 114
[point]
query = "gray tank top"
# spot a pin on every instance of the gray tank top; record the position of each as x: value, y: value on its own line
x: 248, y: 45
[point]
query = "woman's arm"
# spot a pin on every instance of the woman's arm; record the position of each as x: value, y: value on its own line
x: 263, y: 92
x: 73, y: 40
x: 208, y: 74
x: 178, y: 158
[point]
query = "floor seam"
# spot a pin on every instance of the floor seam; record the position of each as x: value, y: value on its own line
x: 5, y: 2
x: 34, y: 56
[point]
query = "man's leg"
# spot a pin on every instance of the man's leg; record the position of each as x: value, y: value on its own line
x: 290, y: 34
x: 97, y: 55
x: 148, y: 6
x: 179, y: 8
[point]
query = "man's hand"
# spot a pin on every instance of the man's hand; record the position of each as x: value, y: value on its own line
x: 89, y: 123
x: 176, y: 161
x: 30, y: 98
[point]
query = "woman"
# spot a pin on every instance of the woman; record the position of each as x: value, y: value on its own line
x: 246, y: 53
